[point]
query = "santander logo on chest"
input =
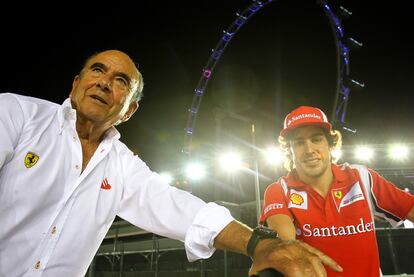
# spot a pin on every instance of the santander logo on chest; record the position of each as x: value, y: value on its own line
x: 105, y: 184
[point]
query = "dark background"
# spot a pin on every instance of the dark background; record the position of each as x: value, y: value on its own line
x: 283, y: 57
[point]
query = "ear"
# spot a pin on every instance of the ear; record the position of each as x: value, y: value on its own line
x: 133, y: 107
x: 74, y: 83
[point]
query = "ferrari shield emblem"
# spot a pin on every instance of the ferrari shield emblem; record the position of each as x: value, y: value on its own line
x: 30, y: 159
x: 338, y: 194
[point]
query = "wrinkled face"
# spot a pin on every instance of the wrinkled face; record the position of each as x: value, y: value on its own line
x: 310, y: 151
x: 102, y: 92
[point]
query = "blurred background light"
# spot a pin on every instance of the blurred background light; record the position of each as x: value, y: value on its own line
x: 195, y: 171
x: 364, y: 153
x: 398, y: 152
x: 230, y: 161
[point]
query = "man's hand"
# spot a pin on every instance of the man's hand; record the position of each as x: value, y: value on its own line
x: 291, y: 258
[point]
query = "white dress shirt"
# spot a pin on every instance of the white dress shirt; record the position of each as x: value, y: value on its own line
x: 53, y: 218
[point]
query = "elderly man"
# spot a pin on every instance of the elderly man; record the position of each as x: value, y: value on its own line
x: 64, y: 176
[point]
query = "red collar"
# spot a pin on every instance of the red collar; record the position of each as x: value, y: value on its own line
x: 343, y: 176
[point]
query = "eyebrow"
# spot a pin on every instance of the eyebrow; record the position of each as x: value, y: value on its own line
x: 317, y: 134
x: 117, y: 73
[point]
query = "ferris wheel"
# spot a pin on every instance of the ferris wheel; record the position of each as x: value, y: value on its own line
x: 343, y: 84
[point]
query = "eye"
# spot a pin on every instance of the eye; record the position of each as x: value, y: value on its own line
x: 317, y: 139
x: 97, y: 70
x: 122, y: 83
x: 298, y: 143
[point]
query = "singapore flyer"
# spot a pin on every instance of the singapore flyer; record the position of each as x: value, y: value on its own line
x: 342, y: 43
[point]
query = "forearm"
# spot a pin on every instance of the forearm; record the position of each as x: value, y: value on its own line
x: 283, y: 225
x: 234, y: 237
x: 410, y: 215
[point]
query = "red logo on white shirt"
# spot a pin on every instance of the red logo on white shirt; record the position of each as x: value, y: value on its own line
x: 105, y: 184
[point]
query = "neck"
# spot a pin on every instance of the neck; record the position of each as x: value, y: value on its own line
x: 319, y: 183
x: 90, y: 132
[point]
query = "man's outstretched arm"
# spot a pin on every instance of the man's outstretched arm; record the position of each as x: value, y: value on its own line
x: 410, y: 215
x: 291, y: 258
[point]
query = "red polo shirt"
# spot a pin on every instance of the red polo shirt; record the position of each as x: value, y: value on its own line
x: 340, y: 225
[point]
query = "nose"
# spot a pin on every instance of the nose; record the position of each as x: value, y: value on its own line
x: 104, y: 83
x: 309, y: 146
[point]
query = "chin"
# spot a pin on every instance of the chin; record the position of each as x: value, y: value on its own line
x: 94, y: 117
x: 313, y: 172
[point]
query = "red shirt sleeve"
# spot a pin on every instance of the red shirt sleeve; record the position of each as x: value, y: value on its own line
x: 388, y: 198
x: 274, y: 202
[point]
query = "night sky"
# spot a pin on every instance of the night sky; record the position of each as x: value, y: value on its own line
x: 282, y: 58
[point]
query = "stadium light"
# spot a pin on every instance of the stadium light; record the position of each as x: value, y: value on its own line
x: 195, y: 171
x: 230, y: 161
x: 364, y: 153
x: 273, y: 155
x: 398, y: 152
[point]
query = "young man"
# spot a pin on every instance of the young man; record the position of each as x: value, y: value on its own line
x: 329, y: 206
x: 65, y: 175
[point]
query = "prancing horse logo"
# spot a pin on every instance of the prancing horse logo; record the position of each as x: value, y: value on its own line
x: 30, y: 159
x: 338, y: 194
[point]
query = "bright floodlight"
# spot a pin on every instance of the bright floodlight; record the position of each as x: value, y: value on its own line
x: 398, y: 152
x: 195, y: 171
x: 273, y: 155
x: 364, y: 153
x: 230, y: 161
x: 337, y: 154
x: 166, y: 177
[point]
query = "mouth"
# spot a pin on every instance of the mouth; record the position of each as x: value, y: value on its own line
x: 99, y: 99
x: 311, y: 162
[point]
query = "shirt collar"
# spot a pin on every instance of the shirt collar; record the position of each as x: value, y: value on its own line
x: 67, y: 117
x: 342, y: 175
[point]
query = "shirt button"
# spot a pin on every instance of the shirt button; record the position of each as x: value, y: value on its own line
x: 74, y: 138
x: 37, y: 265
x: 54, y: 230
x: 77, y: 167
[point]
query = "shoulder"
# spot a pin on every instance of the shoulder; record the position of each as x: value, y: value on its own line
x: 358, y: 167
x: 26, y: 104
x: 13, y: 98
x: 353, y: 169
x: 126, y: 156
x: 366, y: 174
x: 277, y: 187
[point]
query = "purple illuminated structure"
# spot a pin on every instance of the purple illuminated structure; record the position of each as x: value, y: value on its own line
x: 344, y: 81
x: 343, y: 78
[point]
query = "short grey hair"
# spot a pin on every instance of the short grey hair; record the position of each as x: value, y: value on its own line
x: 137, y: 94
